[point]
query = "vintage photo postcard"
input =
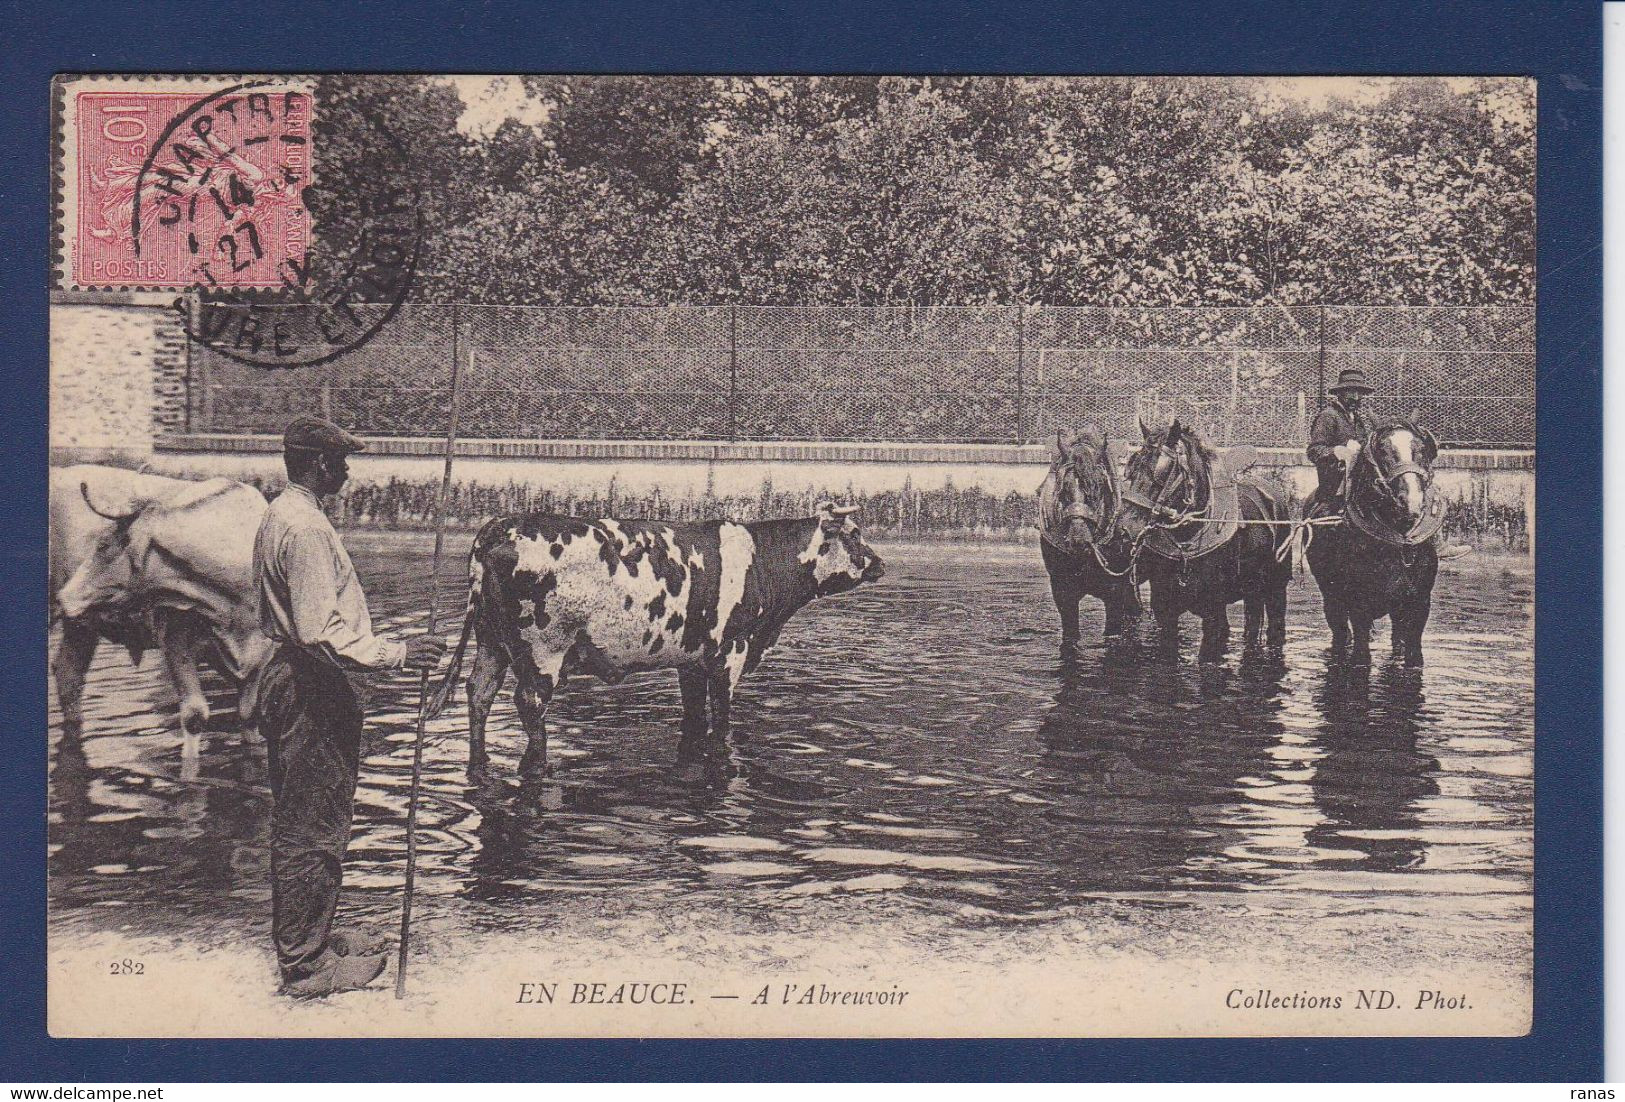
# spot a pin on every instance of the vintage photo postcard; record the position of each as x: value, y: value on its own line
x: 893, y: 557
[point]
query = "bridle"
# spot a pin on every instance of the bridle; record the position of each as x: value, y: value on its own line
x: 1388, y: 481
x: 1102, y: 524
x: 1395, y: 528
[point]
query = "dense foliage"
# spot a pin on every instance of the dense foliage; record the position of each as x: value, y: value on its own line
x: 859, y: 190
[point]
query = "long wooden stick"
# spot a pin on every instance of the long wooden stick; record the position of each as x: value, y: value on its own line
x: 423, y: 679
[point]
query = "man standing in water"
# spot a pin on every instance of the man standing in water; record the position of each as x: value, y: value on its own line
x: 312, y: 606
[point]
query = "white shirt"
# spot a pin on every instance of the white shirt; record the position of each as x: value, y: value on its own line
x: 309, y: 595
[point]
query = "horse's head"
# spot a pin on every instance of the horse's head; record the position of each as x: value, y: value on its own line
x: 1400, y: 457
x: 1166, y: 478
x: 1078, y: 500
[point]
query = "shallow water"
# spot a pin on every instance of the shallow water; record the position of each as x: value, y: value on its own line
x: 918, y: 739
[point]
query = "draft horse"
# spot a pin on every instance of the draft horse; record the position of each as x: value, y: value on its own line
x: 1205, y: 539
x: 1084, y: 548
x: 1381, y: 560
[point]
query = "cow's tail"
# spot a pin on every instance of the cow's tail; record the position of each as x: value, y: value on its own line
x: 448, y: 684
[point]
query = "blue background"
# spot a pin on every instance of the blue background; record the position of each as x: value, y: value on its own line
x: 1559, y: 43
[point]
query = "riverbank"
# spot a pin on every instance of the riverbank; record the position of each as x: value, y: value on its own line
x: 959, y: 493
x: 947, y: 512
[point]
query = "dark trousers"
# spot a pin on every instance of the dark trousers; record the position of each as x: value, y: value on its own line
x: 311, y: 721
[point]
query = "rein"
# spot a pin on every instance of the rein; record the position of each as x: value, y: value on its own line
x: 1168, y: 518
x: 1164, y: 516
x: 1175, y: 517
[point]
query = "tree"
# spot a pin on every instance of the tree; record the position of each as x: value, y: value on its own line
x: 401, y: 129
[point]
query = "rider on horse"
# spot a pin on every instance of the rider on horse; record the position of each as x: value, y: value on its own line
x: 1339, y: 424
x: 1342, y: 425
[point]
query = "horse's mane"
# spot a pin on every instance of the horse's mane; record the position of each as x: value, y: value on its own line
x: 1088, y: 439
x: 1082, y: 454
x: 1089, y: 436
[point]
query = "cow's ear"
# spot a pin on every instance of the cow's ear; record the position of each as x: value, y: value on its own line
x: 1105, y: 449
x: 1145, y: 431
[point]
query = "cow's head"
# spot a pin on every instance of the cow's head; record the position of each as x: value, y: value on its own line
x: 105, y: 581
x: 837, y: 556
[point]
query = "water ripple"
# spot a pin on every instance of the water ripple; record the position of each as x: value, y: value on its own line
x: 918, y: 738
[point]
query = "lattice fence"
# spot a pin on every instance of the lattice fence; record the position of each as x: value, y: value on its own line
x: 900, y: 374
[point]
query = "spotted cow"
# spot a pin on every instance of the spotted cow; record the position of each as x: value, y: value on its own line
x: 550, y: 595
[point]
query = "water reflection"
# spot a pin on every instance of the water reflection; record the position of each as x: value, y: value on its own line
x: 132, y: 833
x: 1371, y: 778
x: 1150, y: 757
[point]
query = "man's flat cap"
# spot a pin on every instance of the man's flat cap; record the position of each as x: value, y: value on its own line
x: 312, y: 434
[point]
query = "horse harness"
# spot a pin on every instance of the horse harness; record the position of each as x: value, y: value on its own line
x: 1218, y: 517
x: 1158, y: 506
x: 1387, y: 483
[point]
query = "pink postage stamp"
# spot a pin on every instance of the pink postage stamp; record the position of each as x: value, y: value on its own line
x: 186, y: 186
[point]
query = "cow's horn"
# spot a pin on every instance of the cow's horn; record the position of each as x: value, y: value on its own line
x: 84, y: 492
x: 844, y: 510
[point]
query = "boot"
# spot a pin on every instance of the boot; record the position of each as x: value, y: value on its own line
x: 336, y: 974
